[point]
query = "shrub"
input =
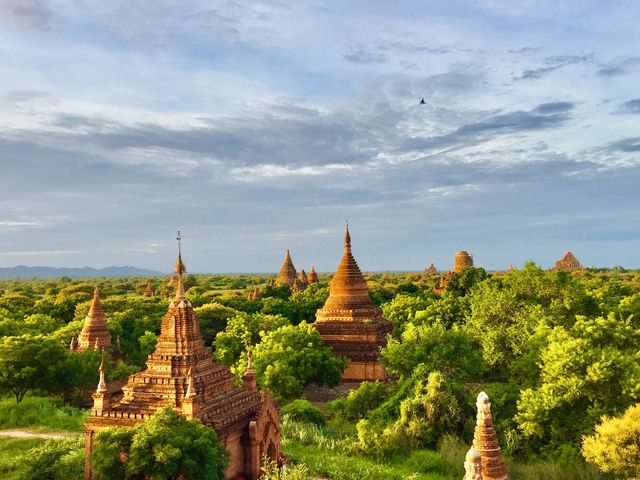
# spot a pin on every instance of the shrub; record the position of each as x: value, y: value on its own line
x: 615, y: 445
x: 303, y: 411
x: 359, y: 402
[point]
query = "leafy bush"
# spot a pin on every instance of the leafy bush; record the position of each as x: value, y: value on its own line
x: 40, y: 412
x: 615, y: 445
x: 303, y: 411
x: 359, y: 402
x: 57, y: 460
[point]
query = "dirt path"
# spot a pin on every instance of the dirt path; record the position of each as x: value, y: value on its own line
x: 19, y: 433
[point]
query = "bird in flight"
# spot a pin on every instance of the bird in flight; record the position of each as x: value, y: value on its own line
x: 422, y: 102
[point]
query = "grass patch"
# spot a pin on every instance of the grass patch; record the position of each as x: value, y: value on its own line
x: 45, y: 413
x: 14, y: 456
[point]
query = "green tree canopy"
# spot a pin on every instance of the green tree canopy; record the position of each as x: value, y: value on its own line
x: 165, y: 447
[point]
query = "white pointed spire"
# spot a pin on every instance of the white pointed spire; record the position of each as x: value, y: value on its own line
x: 102, y: 386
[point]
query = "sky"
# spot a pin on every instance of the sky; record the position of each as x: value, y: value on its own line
x: 256, y: 126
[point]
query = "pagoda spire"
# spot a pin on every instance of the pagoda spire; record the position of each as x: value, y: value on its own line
x: 102, y: 386
x: 179, y: 270
x: 288, y: 272
x: 485, y: 440
x: 347, y: 239
x: 191, y: 389
x: 249, y: 377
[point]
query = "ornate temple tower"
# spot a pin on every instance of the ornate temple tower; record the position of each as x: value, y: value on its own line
x: 462, y: 260
x: 288, y: 273
x: 485, y: 441
x: 181, y: 373
x: 94, y: 333
x: 351, y: 324
x: 312, y: 277
x: 303, y: 280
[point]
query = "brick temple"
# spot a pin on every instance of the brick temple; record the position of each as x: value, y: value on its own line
x: 568, y: 263
x: 94, y: 332
x: 288, y: 274
x: 181, y: 373
x: 351, y: 324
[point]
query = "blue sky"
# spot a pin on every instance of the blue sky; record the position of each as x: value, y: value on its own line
x: 259, y: 126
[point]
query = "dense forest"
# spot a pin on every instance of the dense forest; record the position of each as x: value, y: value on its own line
x: 558, y: 354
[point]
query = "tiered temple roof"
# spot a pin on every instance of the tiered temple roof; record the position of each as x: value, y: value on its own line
x: 94, y: 332
x: 485, y: 441
x: 288, y: 274
x: 181, y: 373
x: 568, y: 263
x: 351, y: 324
x: 312, y: 277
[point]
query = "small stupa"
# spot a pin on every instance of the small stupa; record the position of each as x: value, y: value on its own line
x: 94, y: 332
x: 568, y: 263
x: 485, y: 440
x: 312, y: 277
x: 351, y: 324
x: 473, y: 465
x: 288, y: 274
x: 432, y: 270
x: 149, y: 290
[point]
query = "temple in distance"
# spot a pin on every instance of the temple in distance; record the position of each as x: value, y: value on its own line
x: 568, y: 263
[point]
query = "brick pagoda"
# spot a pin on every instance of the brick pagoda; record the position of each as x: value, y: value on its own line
x: 351, y: 324
x: 181, y: 373
x: 568, y: 263
x: 288, y: 274
x: 462, y: 260
x: 312, y: 277
x: 94, y: 332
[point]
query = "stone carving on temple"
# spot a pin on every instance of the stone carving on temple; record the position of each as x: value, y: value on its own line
x: 94, y: 332
x: 288, y: 274
x: 568, y: 263
x: 312, y: 277
x: 351, y: 324
x: 485, y: 441
x: 181, y: 373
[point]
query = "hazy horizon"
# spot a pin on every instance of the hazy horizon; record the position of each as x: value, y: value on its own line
x: 258, y: 126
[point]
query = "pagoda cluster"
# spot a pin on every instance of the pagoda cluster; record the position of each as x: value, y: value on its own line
x: 297, y: 282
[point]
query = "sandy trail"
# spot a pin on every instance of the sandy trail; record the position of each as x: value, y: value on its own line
x: 18, y: 433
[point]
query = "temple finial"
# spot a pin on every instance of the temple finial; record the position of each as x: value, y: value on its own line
x: 179, y: 269
x: 102, y: 386
x: 347, y: 237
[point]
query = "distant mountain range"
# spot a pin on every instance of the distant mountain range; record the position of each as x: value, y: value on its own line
x: 23, y: 271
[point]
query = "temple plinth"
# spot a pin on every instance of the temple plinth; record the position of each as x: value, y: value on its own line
x: 288, y: 274
x: 94, y: 332
x: 485, y: 441
x: 181, y: 374
x: 351, y: 324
